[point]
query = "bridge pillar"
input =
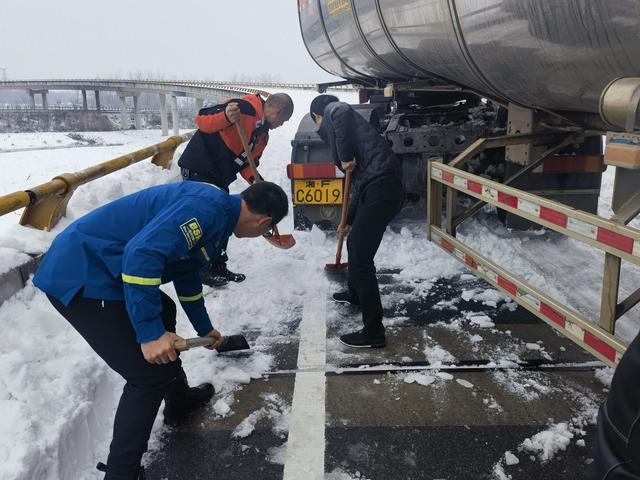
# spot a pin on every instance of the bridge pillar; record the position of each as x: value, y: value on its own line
x: 175, y: 114
x: 33, y: 93
x: 97, y: 94
x: 164, y: 121
x: 85, y: 106
x: 124, y: 116
x: 199, y: 104
x: 136, y: 112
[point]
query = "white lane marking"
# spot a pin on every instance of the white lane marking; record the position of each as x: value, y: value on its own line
x: 305, y: 445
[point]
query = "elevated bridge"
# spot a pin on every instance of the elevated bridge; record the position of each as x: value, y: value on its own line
x: 200, y: 91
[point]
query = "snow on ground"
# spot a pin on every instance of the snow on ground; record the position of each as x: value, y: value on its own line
x: 58, y: 401
x: 57, y: 396
x: 543, y: 446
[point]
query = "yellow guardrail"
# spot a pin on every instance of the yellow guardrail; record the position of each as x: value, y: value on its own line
x: 45, y: 204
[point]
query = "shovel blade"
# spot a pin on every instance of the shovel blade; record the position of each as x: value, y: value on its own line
x: 336, y: 266
x: 233, y: 343
x: 281, y: 241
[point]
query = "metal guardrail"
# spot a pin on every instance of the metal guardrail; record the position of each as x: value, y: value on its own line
x: 45, y: 204
x: 615, y: 239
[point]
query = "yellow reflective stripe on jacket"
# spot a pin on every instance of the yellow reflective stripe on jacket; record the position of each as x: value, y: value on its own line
x: 206, y: 255
x: 195, y: 298
x: 141, y: 280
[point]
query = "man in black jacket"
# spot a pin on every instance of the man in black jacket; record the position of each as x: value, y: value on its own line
x: 376, y: 198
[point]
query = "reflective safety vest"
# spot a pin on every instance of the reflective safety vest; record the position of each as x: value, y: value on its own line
x: 126, y: 249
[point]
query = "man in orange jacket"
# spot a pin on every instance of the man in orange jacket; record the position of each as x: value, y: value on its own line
x: 215, y: 154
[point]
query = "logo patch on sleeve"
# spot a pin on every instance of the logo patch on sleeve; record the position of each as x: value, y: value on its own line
x: 191, y: 231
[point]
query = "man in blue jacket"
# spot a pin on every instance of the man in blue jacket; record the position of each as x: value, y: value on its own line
x: 103, y: 274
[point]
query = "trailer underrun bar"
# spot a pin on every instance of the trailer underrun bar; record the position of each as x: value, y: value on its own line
x: 613, y: 238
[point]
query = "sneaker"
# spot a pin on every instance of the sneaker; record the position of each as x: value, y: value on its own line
x: 360, y: 340
x: 220, y: 276
x: 346, y: 297
x: 179, y: 406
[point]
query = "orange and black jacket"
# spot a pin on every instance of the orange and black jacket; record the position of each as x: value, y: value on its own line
x: 215, y: 151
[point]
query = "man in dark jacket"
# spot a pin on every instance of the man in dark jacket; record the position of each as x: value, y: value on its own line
x: 215, y: 154
x: 376, y: 198
x: 103, y: 274
x: 617, y: 447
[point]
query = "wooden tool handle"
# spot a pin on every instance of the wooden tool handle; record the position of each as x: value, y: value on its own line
x: 186, y: 344
x: 243, y: 138
x: 343, y: 218
x: 345, y: 199
x: 256, y: 176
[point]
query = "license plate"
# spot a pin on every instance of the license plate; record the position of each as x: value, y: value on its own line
x: 317, y: 192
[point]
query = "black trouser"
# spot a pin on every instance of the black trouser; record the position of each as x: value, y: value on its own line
x: 108, y: 330
x: 377, y: 205
x: 617, y: 448
x: 219, y: 261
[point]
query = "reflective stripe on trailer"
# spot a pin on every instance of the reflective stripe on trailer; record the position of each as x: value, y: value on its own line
x: 300, y: 171
x: 606, y: 347
x: 625, y: 240
x: 572, y: 164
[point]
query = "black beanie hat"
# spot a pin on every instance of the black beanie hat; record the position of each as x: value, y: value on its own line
x: 319, y: 103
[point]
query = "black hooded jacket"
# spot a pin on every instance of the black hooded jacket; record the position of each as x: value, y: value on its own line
x: 350, y: 137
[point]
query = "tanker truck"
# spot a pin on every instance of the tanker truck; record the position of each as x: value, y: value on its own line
x: 434, y: 76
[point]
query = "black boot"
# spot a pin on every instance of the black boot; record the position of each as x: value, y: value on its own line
x: 218, y: 275
x: 181, y: 400
x: 112, y: 473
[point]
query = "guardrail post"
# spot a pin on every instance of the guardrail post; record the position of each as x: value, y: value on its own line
x: 610, y: 287
x: 45, y: 213
x: 163, y: 159
x: 434, y: 200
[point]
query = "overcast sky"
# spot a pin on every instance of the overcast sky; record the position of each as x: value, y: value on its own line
x: 186, y: 39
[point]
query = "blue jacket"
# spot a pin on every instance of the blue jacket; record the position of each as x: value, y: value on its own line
x: 126, y: 249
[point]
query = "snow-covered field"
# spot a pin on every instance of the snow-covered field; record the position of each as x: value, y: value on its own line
x: 57, y: 396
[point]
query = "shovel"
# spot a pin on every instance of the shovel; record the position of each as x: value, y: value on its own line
x: 230, y: 343
x: 343, y: 223
x: 281, y: 241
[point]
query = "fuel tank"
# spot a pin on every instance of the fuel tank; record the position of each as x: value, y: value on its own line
x: 555, y: 55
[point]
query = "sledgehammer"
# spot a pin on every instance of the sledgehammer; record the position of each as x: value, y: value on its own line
x: 230, y: 343
x: 285, y: 241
